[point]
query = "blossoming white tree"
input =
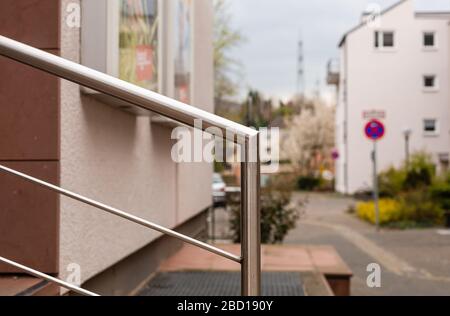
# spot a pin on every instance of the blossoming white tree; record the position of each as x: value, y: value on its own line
x: 310, y: 139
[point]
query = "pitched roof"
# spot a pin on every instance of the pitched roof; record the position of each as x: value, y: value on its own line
x: 364, y: 23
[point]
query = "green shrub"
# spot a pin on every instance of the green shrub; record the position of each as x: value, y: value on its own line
x: 277, y: 216
x: 419, y: 172
x: 413, y: 195
x: 411, y: 209
x: 440, y: 192
x: 308, y: 183
x: 391, y: 182
x: 419, y: 206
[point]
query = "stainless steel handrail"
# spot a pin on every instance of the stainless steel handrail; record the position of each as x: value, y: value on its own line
x: 122, y: 214
x: 180, y: 112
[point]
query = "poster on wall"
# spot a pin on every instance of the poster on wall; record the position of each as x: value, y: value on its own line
x: 183, y: 49
x: 138, y: 57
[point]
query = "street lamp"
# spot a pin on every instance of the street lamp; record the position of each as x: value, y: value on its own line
x: 407, y: 134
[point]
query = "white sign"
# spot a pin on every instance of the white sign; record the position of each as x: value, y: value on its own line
x: 374, y: 114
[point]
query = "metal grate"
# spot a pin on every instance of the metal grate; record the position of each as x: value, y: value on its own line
x: 220, y: 284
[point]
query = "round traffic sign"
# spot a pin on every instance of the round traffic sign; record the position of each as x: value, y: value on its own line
x: 335, y: 154
x: 374, y: 130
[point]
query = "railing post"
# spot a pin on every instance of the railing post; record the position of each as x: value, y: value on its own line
x: 250, y: 218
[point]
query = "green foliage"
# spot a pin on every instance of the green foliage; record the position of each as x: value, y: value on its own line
x: 225, y: 39
x: 419, y: 207
x: 420, y: 172
x: 416, y: 197
x: 417, y: 174
x: 410, y: 209
x: 308, y: 183
x: 219, y: 167
x: 277, y: 216
x: 391, y: 182
x: 256, y: 111
x: 440, y: 192
x: 284, y: 111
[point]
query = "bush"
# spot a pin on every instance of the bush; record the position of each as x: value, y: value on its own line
x: 419, y: 207
x: 412, y: 195
x: 440, y: 192
x: 391, y: 182
x: 277, y: 216
x: 419, y: 172
x: 411, y: 209
x: 308, y: 183
x: 390, y: 211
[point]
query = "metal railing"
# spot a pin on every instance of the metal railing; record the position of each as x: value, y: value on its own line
x: 177, y: 111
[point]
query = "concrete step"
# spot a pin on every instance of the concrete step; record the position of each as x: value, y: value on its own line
x: 23, y: 285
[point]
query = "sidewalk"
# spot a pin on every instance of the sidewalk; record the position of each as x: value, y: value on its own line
x: 291, y: 270
x: 414, y: 262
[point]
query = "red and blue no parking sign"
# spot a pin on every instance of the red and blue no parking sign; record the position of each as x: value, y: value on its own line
x: 374, y: 130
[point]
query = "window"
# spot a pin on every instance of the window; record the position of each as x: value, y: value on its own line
x: 183, y: 47
x: 138, y: 42
x: 388, y: 39
x: 430, y: 126
x: 430, y: 82
x: 384, y: 39
x: 429, y: 40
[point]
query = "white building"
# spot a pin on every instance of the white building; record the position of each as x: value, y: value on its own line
x: 395, y: 68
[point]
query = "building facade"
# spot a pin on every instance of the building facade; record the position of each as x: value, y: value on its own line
x: 394, y: 68
x: 91, y: 144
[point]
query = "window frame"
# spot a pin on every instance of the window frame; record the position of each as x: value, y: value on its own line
x: 435, y: 132
x: 435, y: 41
x: 379, y: 40
x: 435, y: 87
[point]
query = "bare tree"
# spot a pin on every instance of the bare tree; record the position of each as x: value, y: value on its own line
x: 225, y: 39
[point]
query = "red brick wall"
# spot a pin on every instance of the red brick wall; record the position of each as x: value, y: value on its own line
x: 29, y: 138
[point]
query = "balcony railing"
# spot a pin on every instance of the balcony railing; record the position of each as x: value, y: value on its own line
x: 246, y: 137
x: 333, y: 72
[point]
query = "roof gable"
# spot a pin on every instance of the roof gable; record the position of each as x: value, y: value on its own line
x: 362, y: 24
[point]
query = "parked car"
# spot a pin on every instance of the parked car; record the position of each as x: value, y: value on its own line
x: 218, y: 188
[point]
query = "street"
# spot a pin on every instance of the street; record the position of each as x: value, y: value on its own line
x: 413, y: 262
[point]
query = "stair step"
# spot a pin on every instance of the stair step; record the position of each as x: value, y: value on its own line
x: 22, y: 285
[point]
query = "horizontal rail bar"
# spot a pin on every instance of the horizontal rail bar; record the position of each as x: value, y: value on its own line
x: 124, y: 215
x: 49, y: 278
x: 120, y: 89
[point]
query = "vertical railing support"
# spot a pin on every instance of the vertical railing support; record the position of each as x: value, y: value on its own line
x: 250, y: 218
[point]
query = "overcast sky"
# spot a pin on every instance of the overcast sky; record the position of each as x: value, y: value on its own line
x: 272, y: 29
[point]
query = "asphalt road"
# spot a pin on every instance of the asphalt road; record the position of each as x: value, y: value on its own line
x: 413, y: 262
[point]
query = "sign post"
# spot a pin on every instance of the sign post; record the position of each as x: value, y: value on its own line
x: 375, y: 130
x: 375, y: 186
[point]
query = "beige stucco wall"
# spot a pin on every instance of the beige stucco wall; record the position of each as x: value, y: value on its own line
x: 392, y: 81
x: 124, y: 161
x: 191, y: 176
